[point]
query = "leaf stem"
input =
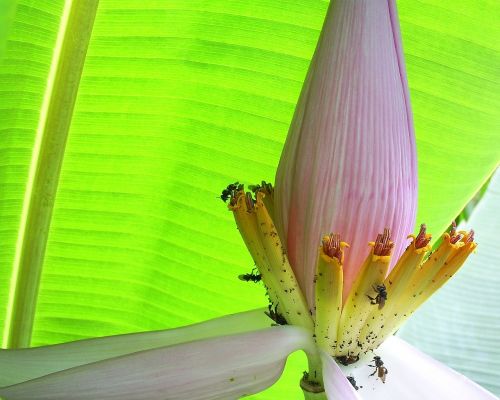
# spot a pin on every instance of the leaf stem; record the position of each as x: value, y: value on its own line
x: 56, y: 113
x: 314, y: 396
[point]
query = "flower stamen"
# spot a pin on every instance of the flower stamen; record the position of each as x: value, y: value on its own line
x: 268, y: 198
x: 451, y: 266
x: 358, y: 305
x: 454, y: 237
x: 377, y: 304
x: 383, y: 245
x: 262, y: 240
x: 249, y: 202
x: 426, y: 278
x: 396, y: 283
x: 297, y: 311
x: 329, y: 284
x: 422, y: 239
x: 247, y: 225
x: 333, y: 247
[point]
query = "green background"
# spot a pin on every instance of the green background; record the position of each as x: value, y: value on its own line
x: 179, y: 98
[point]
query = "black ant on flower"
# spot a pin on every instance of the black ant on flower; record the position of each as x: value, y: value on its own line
x: 275, y: 315
x: 230, y: 191
x: 251, y: 277
x: 381, y: 297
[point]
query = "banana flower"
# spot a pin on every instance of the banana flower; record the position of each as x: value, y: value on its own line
x: 330, y: 242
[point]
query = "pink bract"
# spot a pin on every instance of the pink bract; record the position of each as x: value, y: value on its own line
x: 349, y: 163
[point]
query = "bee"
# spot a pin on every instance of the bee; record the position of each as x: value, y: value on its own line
x: 275, y: 315
x: 380, y: 370
x: 381, y: 297
x: 353, y: 382
x: 228, y: 192
x: 251, y: 277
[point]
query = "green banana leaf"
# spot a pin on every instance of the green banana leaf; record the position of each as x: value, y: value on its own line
x: 109, y: 177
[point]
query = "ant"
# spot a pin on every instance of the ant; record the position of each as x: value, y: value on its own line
x: 380, y: 370
x: 352, y: 381
x: 251, y: 277
x: 381, y: 297
x: 275, y: 315
x: 228, y: 192
x: 264, y: 186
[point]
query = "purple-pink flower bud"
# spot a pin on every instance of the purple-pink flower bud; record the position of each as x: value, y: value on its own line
x: 349, y: 162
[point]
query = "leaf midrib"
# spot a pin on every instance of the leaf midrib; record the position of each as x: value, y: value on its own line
x: 54, y: 122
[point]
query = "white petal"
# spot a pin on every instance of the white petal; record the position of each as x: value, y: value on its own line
x: 219, y: 368
x: 21, y: 365
x: 337, y: 387
x: 413, y: 375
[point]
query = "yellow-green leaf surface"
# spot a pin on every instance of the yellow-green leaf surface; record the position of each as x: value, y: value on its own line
x: 177, y: 99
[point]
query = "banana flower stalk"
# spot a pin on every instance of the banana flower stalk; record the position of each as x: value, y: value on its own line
x: 331, y: 245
